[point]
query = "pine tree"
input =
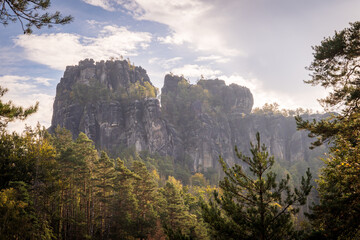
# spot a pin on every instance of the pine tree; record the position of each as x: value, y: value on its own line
x: 338, y: 214
x: 145, y: 191
x: 175, y: 215
x: 124, y: 202
x: 28, y: 13
x: 103, y: 178
x: 28, y: 171
x: 254, y: 206
x: 336, y: 68
x: 9, y: 112
x: 65, y: 208
x: 86, y: 156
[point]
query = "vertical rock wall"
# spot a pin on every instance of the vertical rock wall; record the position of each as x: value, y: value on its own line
x: 195, y: 122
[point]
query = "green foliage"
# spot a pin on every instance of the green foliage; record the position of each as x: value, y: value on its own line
x: 254, y: 206
x: 178, y: 219
x: 59, y: 188
x: 9, y: 112
x: 124, y: 202
x: 17, y: 209
x: 177, y: 104
x: 182, y: 172
x: 198, y: 179
x: 212, y: 175
x: 337, y: 215
x: 273, y: 109
x: 165, y: 165
x: 145, y: 214
x: 90, y: 93
x: 95, y: 91
x: 29, y: 14
x: 28, y: 184
x: 140, y: 90
x: 335, y: 67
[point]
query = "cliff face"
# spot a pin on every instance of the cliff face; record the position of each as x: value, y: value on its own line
x: 108, y: 102
x: 211, y: 125
x: 113, y: 103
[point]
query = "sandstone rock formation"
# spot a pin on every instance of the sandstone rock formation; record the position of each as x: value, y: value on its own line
x: 113, y: 103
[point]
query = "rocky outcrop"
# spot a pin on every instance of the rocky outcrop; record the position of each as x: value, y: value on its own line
x: 233, y: 98
x: 110, y: 102
x: 111, y: 122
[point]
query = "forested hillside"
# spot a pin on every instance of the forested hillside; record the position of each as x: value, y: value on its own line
x: 55, y: 187
x: 122, y: 160
x: 113, y: 103
x: 63, y: 186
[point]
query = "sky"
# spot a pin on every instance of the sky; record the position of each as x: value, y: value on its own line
x: 264, y: 45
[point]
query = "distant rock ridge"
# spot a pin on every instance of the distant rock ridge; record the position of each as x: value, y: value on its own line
x: 113, y: 103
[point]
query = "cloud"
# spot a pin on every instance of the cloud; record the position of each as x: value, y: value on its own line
x: 215, y: 58
x: 44, y: 81
x: 165, y: 63
x: 17, y: 83
x: 171, y: 39
x: 20, y: 83
x: 94, y: 23
x: 62, y: 49
x: 189, y: 20
x: 261, y: 95
x: 264, y: 95
x: 193, y: 21
x: 24, y: 91
x: 106, y: 5
x: 196, y: 71
x: 42, y: 116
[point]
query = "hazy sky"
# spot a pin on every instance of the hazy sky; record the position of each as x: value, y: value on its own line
x: 264, y: 45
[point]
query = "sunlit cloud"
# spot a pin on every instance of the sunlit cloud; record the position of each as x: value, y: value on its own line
x: 180, y: 17
x: 44, y: 81
x: 63, y: 49
x: 171, y: 39
x: 189, y: 21
x: 213, y: 58
x: 165, y: 63
x: 106, y: 5
x: 24, y: 91
x: 264, y: 95
x: 194, y: 71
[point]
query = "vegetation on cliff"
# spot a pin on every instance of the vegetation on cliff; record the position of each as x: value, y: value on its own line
x: 94, y: 91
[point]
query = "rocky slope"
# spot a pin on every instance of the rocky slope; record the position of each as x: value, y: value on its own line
x: 113, y: 103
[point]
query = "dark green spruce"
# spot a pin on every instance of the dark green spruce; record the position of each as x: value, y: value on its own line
x: 254, y: 205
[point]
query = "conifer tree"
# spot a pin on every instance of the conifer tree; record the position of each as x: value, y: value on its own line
x: 103, y: 179
x: 9, y: 112
x: 124, y: 201
x: 336, y: 68
x: 65, y: 207
x: 86, y: 156
x: 145, y: 191
x: 29, y: 14
x: 27, y: 186
x: 338, y: 214
x: 254, y: 206
x: 175, y: 215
